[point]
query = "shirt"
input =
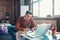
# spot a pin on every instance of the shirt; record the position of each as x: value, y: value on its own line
x: 21, y: 23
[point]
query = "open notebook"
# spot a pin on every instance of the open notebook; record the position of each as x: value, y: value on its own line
x: 40, y: 31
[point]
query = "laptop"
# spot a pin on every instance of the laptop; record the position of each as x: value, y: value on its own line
x: 40, y: 31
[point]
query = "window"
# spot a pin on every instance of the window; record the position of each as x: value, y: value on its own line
x: 34, y: 0
x: 35, y: 9
x: 57, y: 7
x: 43, y: 8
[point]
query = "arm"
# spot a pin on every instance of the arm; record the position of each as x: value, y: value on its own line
x: 33, y: 24
x: 18, y: 25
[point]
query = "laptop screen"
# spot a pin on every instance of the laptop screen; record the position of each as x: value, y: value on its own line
x: 42, y: 29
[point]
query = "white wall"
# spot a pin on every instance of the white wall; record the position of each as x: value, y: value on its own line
x: 24, y: 8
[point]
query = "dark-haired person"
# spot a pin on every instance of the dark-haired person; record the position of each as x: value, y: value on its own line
x: 23, y: 23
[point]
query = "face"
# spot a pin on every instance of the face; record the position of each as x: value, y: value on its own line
x: 28, y: 16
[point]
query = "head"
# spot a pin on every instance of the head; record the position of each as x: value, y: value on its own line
x: 28, y: 15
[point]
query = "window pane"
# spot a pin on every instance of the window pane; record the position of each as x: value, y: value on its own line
x: 45, y: 8
x: 35, y: 9
x: 57, y: 7
x: 35, y: 0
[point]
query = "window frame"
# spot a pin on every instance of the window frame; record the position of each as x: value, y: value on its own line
x: 53, y: 8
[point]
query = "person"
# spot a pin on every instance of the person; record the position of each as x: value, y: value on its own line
x: 23, y: 23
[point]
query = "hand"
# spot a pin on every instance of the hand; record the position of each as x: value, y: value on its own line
x: 27, y: 29
x: 33, y: 29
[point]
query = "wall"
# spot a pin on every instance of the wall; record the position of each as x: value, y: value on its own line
x: 12, y: 7
x: 6, y: 6
x: 3, y: 8
x: 11, y: 10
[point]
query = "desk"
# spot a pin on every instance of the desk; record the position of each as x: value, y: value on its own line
x: 24, y: 36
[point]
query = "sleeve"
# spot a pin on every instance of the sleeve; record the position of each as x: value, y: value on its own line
x: 18, y: 27
x: 33, y: 23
